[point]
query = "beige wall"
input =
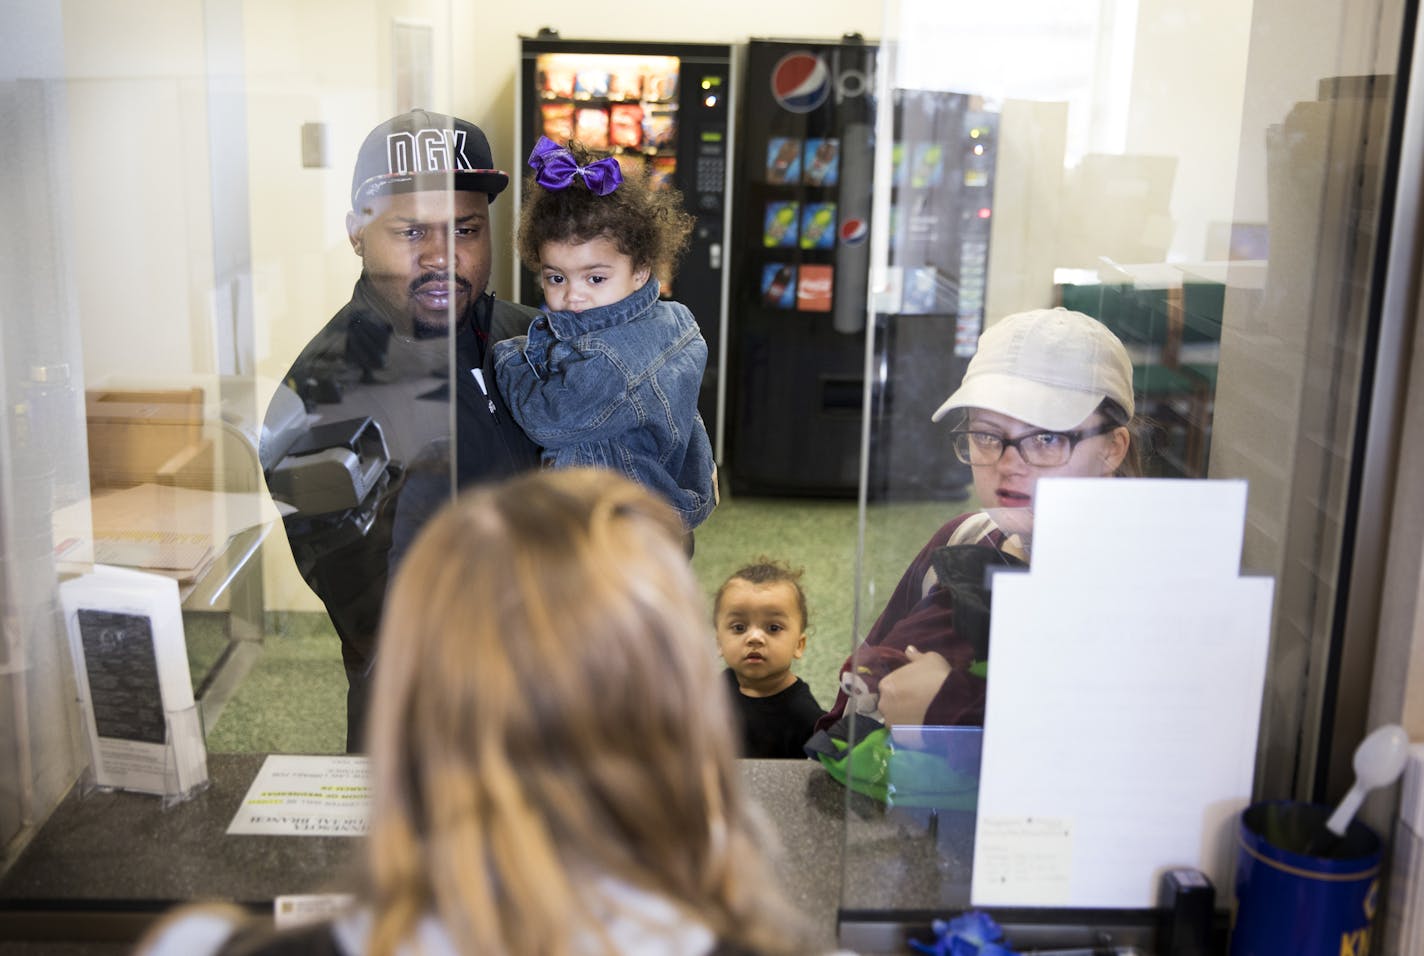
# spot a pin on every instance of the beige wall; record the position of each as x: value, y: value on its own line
x: 1189, y: 71
x: 325, y: 62
x: 142, y: 241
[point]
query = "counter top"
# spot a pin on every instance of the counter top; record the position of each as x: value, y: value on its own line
x: 124, y: 849
x: 106, y: 863
x: 110, y: 852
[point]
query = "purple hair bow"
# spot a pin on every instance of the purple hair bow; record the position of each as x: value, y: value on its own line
x: 554, y: 168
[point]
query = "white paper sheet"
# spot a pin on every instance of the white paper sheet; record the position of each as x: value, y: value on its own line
x: 1139, y: 530
x: 300, y: 795
x: 157, y: 526
x: 1126, y: 675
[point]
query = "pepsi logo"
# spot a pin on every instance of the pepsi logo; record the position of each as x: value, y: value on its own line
x: 800, y: 82
x: 854, y: 231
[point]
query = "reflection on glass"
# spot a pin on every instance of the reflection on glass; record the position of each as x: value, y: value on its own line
x: 1064, y: 158
x: 926, y: 659
x: 1206, y: 184
x: 359, y: 434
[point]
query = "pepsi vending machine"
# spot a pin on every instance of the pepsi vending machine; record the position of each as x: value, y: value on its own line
x: 800, y: 267
x: 662, y: 108
x: 796, y: 355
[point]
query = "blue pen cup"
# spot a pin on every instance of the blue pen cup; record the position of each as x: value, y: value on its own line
x: 1298, y: 894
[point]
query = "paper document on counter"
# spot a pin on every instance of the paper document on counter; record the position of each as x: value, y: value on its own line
x: 300, y: 795
x: 156, y: 550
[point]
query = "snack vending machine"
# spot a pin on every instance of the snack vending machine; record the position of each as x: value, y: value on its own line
x: 659, y: 107
x: 797, y: 364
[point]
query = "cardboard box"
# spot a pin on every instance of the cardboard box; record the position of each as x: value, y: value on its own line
x: 137, y: 436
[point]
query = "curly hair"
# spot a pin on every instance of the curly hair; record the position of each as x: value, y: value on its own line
x: 648, y: 225
x: 762, y: 571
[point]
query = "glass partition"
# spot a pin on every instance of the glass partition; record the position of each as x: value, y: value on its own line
x: 236, y: 332
x: 1214, y: 203
x: 199, y: 384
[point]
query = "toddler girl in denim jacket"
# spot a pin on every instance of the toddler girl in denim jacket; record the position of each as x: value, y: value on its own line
x: 609, y: 373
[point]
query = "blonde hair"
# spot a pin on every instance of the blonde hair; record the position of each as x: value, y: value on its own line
x: 545, y: 711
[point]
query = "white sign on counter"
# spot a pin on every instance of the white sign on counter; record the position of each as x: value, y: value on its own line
x: 301, y: 795
x: 1126, y: 675
x: 132, y: 682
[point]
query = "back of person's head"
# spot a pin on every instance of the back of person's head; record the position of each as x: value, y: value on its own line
x: 1051, y: 369
x: 546, y: 715
x: 649, y: 225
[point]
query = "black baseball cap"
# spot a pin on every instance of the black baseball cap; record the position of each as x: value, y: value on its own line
x: 421, y: 150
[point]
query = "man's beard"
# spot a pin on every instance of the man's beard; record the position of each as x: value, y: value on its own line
x: 426, y: 328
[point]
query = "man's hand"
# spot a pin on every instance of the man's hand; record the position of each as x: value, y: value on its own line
x: 906, y: 692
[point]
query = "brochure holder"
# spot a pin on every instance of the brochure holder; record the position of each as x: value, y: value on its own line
x: 135, y: 694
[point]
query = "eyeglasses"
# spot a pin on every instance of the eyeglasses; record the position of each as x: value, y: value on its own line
x: 1040, y: 449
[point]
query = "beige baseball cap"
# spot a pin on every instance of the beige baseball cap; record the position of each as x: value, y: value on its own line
x: 1049, y: 368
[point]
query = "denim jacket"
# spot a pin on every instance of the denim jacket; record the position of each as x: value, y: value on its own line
x: 616, y: 387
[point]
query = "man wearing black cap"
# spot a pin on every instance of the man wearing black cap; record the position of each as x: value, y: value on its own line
x: 380, y: 372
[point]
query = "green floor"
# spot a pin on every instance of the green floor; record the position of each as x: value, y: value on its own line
x: 293, y: 699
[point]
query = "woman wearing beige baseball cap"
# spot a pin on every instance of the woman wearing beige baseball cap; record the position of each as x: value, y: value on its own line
x: 1047, y: 394
x: 1055, y: 386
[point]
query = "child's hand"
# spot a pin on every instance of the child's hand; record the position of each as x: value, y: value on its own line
x: 906, y: 692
